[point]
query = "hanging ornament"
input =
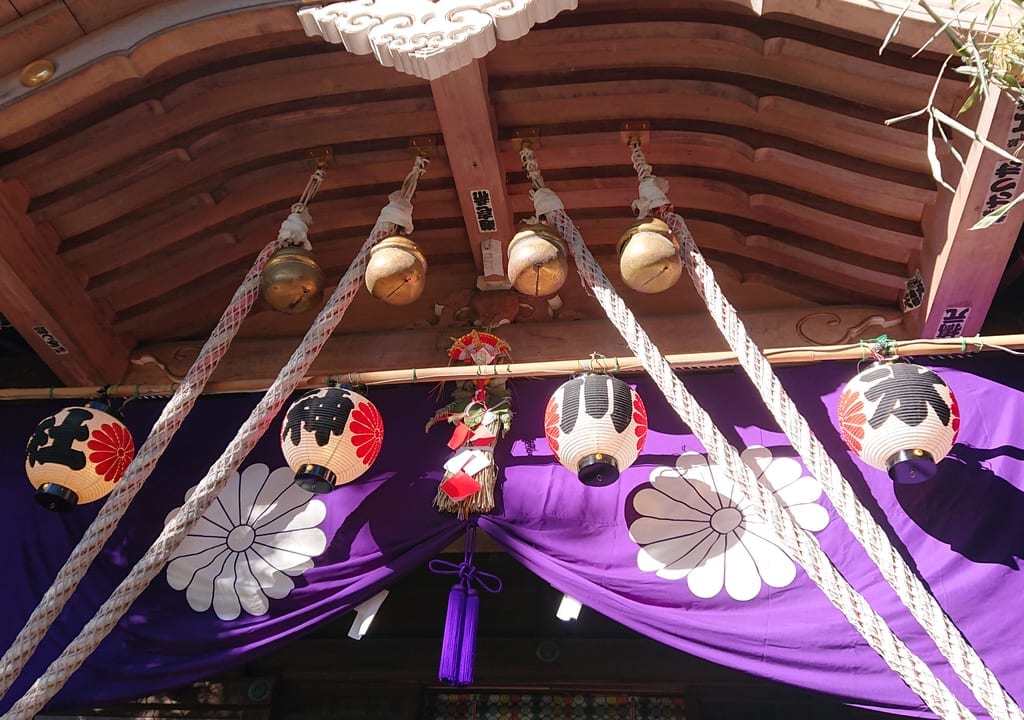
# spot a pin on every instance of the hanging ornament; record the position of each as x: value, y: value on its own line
x: 899, y: 417
x: 480, y: 413
x: 397, y: 271
x: 292, y: 282
x: 596, y: 426
x: 537, y: 261
x: 77, y: 456
x: 330, y: 437
x: 649, y: 259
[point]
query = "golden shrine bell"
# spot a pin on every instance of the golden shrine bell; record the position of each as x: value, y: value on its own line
x: 292, y: 281
x: 649, y: 259
x: 537, y: 261
x: 397, y: 270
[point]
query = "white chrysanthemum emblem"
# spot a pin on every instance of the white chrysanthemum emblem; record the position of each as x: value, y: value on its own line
x: 695, y: 524
x: 259, y: 533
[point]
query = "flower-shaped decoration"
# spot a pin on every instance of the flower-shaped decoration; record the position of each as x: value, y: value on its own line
x: 640, y: 418
x: 367, y: 430
x: 111, y: 449
x: 694, y: 524
x: 261, y: 531
x: 852, y: 419
x: 551, y: 419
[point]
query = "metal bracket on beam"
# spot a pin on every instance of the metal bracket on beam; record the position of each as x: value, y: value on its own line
x: 320, y: 157
x: 423, y: 145
x: 526, y: 136
x: 639, y: 130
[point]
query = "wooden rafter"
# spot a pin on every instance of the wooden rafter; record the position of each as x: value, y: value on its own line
x: 467, y: 122
x: 962, y: 267
x: 43, y: 300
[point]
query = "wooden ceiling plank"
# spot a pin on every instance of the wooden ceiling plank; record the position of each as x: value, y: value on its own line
x: 8, y: 13
x: 717, y: 47
x: 711, y: 196
x: 677, y: 100
x: 962, y: 267
x: 47, y: 305
x: 470, y: 136
x: 36, y: 35
x: 809, y: 175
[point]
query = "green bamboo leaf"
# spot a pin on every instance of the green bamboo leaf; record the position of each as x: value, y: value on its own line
x: 895, y: 27
x: 933, y: 156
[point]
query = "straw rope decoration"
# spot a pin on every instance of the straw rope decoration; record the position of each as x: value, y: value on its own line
x: 293, y: 232
x: 799, y: 543
x: 398, y: 211
x: 964, y: 660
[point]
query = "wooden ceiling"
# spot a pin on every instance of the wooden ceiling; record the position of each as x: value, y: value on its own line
x: 139, y: 183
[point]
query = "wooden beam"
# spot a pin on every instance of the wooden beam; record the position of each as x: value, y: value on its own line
x: 962, y: 267
x: 531, y: 342
x: 470, y: 140
x: 46, y: 303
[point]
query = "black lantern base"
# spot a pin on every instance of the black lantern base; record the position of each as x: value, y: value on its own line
x: 597, y: 470
x: 315, y: 479
x: 56, y: 497
x: 910, y: 467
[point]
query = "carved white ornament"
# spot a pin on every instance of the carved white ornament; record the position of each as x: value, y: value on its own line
x: 427, y: 38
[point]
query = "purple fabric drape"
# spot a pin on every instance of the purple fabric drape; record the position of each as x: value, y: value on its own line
x: 670, y: 550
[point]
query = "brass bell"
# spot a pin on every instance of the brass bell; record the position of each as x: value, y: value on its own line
x: 649, y: 259
x: 292, y: 281
x: 397, y: 270
x: 537, y: 261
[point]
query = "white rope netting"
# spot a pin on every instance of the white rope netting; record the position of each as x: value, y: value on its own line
x: 799, y: 543
x: 209, y: 487
x: 963, y: 658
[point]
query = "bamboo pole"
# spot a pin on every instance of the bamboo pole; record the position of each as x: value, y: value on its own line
x: 685, y: 361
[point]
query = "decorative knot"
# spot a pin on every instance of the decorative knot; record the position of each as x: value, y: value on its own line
x: 467, y: 574
x: 398, y: 211
x: 652, y: 195
x: 545, y: 201
x: 294, y: 230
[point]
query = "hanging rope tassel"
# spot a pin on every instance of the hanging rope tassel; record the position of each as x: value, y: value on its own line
x: 207, y: 490
x: 963, y: 658
x: 800, y: 544
x: 458, y: 645
x: 160, y: 436
x: 451, y: 642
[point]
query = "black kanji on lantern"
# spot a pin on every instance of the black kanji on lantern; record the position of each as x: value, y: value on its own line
x: 323, y: 413
x: 906, y: 392
x: 594, y: 389
x: 52, y: 443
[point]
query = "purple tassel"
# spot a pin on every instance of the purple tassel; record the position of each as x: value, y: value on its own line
x: 467, y: 652
x: 451, y: 643
x: 458, y: 646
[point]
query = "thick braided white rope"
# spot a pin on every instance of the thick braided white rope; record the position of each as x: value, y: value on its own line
x: 213, y: 482
x: 101, y: 528
x: 963, y: 658
x: 799, y: 543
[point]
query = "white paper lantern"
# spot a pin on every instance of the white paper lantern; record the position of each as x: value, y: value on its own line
x: 596, y: 426
x: 77, y: 456
x: 330, y: 437
x: 899, y: 417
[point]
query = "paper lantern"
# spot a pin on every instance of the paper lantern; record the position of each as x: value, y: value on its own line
x: 77, y: 456
x: 596, y: 426
x: 899, y: 417
x: 330, y: 437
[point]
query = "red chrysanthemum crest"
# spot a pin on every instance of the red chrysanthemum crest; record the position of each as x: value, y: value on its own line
x: 954, y: 415
x: 111, y: 450
x: 852, y: 419
x: 367, y: 430
x: 640, y: 418
x: 551, y: 429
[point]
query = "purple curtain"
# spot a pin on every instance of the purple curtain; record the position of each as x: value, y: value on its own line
x: 670, y: 550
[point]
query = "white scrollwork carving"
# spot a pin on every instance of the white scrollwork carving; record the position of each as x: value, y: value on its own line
x: 427, y: 38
